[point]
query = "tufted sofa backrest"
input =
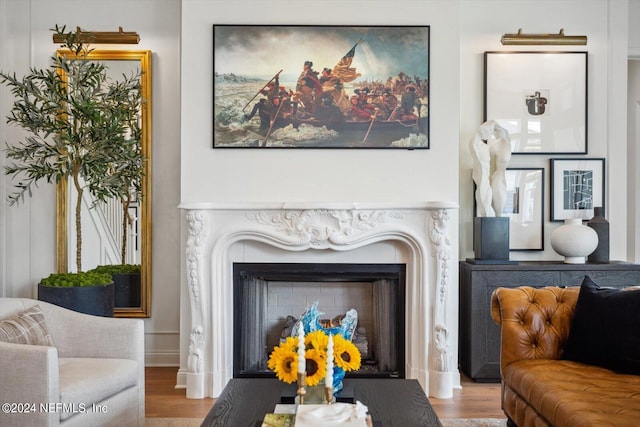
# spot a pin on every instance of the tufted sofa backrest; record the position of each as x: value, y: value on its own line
x: 535, y: 322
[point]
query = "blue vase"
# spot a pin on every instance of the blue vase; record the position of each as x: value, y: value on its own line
x: 338, y: 376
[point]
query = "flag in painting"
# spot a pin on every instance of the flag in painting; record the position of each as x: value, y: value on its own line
x: 343, y: 69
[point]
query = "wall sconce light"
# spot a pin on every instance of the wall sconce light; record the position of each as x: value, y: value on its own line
x: 103, y: 37
x: 534, y: 39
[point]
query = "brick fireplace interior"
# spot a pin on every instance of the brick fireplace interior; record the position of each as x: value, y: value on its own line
x: 269, y: 297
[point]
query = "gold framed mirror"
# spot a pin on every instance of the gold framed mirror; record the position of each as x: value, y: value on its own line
x: 102, y: 246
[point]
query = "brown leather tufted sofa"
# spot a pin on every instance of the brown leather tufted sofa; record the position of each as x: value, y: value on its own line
x: 539, y: 389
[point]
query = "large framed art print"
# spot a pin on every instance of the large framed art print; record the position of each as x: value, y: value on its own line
x: 540, y: 98
x: 278, y: 86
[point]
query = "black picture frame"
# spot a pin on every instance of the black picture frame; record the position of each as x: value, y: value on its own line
x: 525, y: 208
x: 540, y: 98
x: 263, y: 97
x: 577, y: 186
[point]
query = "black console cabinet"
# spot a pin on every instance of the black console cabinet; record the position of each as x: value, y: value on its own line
x: 479, y: 342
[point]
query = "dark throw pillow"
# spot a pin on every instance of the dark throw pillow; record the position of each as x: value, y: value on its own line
x: 605, y: 330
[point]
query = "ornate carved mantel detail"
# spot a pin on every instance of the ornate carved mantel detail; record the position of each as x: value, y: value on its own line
x: 442, y: 253
x: 320, y: 228
x: 416, y: 235
x: 197, y: 235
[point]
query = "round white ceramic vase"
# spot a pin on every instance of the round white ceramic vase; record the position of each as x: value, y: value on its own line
x: 574, y: 241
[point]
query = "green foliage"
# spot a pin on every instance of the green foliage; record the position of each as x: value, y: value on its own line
x: 117, y: 269
x: 67, y: 280
x: 84, y: 127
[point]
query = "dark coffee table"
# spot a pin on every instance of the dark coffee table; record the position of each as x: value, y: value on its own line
x: 391, y: 402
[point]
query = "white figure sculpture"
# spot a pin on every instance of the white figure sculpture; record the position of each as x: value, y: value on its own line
x: 491, y: 151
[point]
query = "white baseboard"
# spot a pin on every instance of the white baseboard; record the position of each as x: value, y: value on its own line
x: 162, y: 348
x: 162, y: 358
x: 181, y: 379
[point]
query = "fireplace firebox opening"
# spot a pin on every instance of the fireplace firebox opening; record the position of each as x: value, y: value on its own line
x: 269, y: 297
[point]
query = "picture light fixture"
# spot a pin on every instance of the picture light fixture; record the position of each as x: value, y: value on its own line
x: 542, y: 39
x: 103, y: 37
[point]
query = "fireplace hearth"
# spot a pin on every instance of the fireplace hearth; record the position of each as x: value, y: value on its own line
x: 415, y: 235
x: 269, y: 297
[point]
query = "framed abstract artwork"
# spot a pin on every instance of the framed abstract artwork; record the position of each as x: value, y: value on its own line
x: 540, y: 98
x: 577, y: 186
x: 296, y: 86
x: 525, y: 208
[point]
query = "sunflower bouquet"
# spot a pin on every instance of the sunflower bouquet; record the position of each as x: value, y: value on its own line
x: 286, y: 357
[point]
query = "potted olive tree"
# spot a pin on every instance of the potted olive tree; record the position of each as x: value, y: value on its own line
x: 84, y: 128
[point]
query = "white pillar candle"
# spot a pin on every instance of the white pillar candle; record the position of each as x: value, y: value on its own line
x: 329, y: 378
x: 302, y: 364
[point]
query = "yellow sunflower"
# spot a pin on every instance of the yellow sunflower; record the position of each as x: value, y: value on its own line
x: 346, y: 354
x: 316, y: 365
x: 284, y: 362
x: 317, y: 340
x: 290, y: 343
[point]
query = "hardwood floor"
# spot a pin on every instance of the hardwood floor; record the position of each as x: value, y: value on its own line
x: 163, y: 400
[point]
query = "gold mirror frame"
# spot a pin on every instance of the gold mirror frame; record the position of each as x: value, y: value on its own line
x: 142, y: 61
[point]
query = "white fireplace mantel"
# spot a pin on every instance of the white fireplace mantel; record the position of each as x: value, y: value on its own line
x: 323, y: 232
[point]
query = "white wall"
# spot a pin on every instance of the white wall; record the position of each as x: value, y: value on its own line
x: 633, y: 133
x: 482, y: 23
x: 633, y: 137
x: 27, y: 241
x: 317, y: 175
x: 26, y: 236
x: 634, y: 29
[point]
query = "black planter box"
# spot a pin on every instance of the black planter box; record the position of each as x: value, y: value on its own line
x: 95, y: 300
x: 127, y: 289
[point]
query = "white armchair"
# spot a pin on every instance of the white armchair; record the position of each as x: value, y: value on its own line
x: 92, y: 376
